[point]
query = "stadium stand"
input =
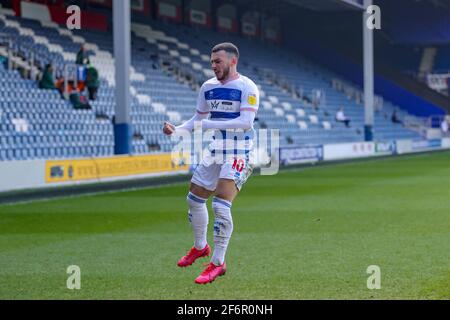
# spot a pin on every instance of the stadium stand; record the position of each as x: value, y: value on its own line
x: 168, y: 64
x: 442, y: 60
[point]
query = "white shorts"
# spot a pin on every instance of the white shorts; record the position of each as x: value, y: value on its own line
x: 208, y: 173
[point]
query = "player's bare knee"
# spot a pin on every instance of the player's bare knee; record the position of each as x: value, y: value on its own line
x: 226, y: 190
x: 200, y: 191
x: 225, y: 196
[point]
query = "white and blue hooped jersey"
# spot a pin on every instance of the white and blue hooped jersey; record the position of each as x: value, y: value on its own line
x: 224, y: 102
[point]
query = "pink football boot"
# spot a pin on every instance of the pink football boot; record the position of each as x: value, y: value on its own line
x: 193, y: 255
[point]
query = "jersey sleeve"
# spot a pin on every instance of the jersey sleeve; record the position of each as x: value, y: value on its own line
x: 250, y: 97
x: 202, y: 106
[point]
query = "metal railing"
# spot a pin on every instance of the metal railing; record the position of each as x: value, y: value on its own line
x: 296, y: 92
x: 428, y: 126
x: 20, y: 56
x: 417, y: 124
x: 25, y: 58
x: 355, y: 94
x: 70, y: 75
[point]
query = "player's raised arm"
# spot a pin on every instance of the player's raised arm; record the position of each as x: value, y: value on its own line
x: 189, y: 125
x: 201, y: 113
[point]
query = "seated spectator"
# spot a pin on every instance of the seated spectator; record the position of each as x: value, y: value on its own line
x: 92, y: 82
x: 340, y: 117
x: 78, y: 100
x: 444, y: 126
x: 60, y: 85
x: 395, y: 118
x: 82, y: 56
x: 47, y: 81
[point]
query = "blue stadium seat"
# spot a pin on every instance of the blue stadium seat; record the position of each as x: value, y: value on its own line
x: 60, y: 126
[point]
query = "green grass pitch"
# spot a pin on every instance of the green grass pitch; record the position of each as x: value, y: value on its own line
x: 307, y: 233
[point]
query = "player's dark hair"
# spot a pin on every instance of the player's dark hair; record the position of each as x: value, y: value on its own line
x: 228, y: 47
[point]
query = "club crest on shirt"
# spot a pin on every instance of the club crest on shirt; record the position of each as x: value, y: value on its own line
x: 234, y: 94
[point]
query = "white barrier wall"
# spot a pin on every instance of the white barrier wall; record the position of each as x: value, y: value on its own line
x: 348, y: 150
x: 446, y: 143
x: 21, y: 174
x: 18, y: 175
x: 404, y: 146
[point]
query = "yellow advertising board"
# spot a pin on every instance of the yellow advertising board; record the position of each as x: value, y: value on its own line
x: 98, y: 168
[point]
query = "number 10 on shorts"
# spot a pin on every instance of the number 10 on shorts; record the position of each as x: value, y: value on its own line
x: 238, y: 165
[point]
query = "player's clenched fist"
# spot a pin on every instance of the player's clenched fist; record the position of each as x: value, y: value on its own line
x: 168, y: 128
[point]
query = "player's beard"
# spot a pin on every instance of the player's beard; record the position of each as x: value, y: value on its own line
x: 225, y: 74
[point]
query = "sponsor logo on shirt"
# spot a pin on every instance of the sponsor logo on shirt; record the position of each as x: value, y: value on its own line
x: 214, y: 104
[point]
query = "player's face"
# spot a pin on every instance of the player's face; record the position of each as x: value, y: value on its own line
x: 220, y: 64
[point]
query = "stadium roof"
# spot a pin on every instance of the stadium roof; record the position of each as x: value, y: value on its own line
x: 282, y: 7
x: 328, y: 5
x: 343, y: 5
x: 439, y: 3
